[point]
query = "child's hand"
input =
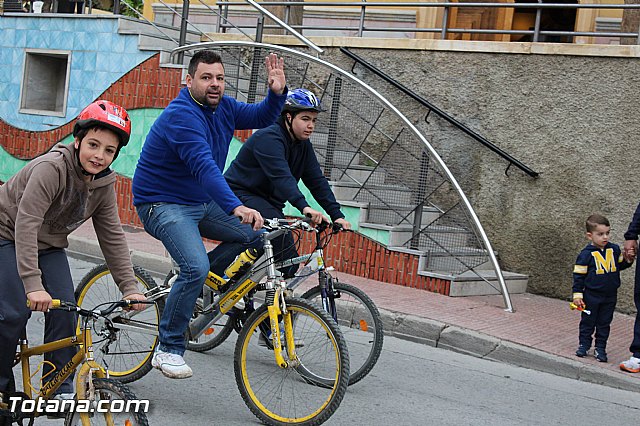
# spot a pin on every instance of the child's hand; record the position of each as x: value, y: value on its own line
x: 579, y: 303
x: 39, y: 301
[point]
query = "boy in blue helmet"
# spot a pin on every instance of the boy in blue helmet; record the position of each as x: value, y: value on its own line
x: 266, y: 171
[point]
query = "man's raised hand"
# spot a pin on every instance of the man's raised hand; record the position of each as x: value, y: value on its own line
x: 275, y: 73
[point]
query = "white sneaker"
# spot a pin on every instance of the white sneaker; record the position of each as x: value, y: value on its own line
x: 171, y: 365
x: 632, y: 365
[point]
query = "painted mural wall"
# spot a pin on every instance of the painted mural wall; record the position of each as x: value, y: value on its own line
x: 105, y: 64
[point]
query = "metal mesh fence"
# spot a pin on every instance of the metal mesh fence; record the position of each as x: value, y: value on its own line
x: 372, y: 156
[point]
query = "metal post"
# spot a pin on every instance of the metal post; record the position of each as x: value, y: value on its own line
x: 445, y: 19
x: 219, y: 19
x: 638, y: 39
x: 116, y: 7
x: 255, y: 68
x: 287, y: 16
x: 183, y: 28
x: 260, y: 28
x: 419, y: 200
x: 363, y: 11
x: 332, y: 138
x: 536, y: 27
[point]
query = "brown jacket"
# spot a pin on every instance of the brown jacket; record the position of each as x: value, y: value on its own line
x: 47, y: 200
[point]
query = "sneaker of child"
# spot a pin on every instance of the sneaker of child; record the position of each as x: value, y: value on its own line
x: 582, y: 351
x: 601, y: 354
x: 632, y: 365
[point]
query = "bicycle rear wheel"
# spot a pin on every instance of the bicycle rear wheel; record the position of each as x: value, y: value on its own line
x: 279, y: 396
x: 360, y: 323
x: 114, y: 396
x: 124, y: 344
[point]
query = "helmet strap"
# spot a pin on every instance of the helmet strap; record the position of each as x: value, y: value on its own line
x: 289, y: 124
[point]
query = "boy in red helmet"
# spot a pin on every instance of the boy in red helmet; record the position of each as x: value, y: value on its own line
x: 39, y: 207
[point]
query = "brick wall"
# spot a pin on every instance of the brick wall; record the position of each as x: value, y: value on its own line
x: 356, y: 254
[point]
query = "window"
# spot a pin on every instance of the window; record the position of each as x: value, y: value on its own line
x: 45, y: 82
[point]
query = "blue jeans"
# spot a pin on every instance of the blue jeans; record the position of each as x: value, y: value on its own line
x: 181, y: 228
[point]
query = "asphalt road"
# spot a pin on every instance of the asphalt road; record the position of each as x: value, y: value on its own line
x: 412, y: 384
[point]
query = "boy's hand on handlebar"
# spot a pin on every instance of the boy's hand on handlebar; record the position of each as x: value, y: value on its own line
x: 344, y: 223
x: 315, y: 215
x: 39, y: 301
x: 249, y: 216
x: 137, y: 296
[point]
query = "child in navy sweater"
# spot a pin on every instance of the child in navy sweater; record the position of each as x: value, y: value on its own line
x: 596, y: 278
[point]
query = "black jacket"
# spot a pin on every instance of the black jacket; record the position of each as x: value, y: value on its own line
x: 270, y: 164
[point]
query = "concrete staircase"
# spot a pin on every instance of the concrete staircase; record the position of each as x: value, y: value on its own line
x: 386, y: 210
x: 387, y: 215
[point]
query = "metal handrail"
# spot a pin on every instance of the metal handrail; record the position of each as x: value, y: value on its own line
x: 414, y: 131
x: 536, y: 32
x: 440, y: 113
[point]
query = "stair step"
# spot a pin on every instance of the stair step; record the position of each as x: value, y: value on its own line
x: 470, y: 284
x: 358, y: 174
x: 454, y: 260
x: 391, y: 194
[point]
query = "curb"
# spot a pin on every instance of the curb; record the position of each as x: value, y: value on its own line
x: 445, y: 336
x: 424, y: 331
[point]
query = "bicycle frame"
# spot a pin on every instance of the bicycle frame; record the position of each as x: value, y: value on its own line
x: 247, y: 282
x: 83, y: 359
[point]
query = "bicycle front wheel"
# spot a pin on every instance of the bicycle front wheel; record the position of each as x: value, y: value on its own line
x: 279, y: 396
x: 113, y: 404
x: 123, y: 343
x: 360, y: 323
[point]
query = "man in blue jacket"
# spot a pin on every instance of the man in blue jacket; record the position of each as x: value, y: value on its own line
x: 180, y: 193
x: 266, y: 171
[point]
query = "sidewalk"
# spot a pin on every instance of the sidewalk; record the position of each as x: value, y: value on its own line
x: 541, y: 334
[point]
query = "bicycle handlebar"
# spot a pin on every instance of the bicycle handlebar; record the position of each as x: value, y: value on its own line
x: 301, y: 223
x: 72, y: 307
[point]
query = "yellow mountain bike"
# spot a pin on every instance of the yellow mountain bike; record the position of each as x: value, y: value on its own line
x: 288, y: 346
x: 99, y: 400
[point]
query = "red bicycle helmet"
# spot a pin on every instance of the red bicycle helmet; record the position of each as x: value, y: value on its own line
x: 107, y: 114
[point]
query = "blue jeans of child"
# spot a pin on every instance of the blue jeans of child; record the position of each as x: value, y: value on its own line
x: 181, y: 228
x: 14, y: 314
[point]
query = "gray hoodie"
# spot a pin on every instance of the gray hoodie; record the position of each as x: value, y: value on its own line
x: 47, y: 200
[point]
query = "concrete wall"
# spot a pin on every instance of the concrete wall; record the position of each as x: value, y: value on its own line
x: 568, y: 112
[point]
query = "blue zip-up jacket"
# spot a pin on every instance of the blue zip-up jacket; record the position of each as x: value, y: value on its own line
x: 270, y: 164
x: 598, y: 271
x: 185, y: 151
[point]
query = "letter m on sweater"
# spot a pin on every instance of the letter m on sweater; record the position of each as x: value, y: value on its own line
x: 605, y: 264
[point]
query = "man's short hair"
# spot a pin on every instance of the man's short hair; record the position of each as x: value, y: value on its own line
x: 203, y: 56
x: 595, y: 220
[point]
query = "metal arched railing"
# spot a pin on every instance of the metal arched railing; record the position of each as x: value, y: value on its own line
x: 376, y: 160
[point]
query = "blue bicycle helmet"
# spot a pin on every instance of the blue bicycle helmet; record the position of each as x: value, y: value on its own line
x: 301, y: 100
